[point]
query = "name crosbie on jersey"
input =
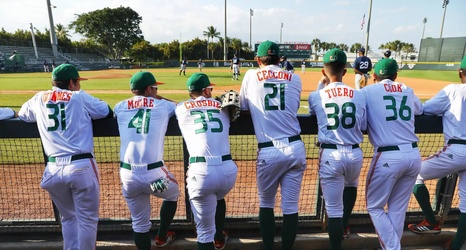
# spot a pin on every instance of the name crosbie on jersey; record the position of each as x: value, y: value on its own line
x: 205, y: 126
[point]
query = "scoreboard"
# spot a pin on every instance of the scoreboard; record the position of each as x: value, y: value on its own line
x: 294, y: 51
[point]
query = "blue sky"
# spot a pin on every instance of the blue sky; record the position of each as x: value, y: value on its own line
x: 337, y: 21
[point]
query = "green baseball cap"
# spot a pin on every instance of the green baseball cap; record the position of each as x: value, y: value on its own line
x: 386, y: 66
x: 142, y: 79
x: 268, y: 48
x: 66, y: 72
x: 335, y: 55
x: 198, y: 82
x: 463, y: 63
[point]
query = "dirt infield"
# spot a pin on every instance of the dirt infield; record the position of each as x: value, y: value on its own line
x: 422, y: 88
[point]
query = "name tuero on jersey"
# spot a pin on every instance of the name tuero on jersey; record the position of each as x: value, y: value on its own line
x: 269, y: 74
x: 336, y: 92
x: 56, y: 96
x: 202, y: 103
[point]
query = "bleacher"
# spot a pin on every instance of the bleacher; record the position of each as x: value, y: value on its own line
x: 36, y: 64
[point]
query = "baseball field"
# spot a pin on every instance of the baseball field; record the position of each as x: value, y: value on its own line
x: 112, y: 86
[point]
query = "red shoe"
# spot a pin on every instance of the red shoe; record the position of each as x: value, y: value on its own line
x: 346, y: 233
x: 219, y: 244
x: 169, y: 238
x: 425, y: 228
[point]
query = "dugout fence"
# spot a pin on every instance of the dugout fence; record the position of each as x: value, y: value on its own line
x: 25, y: 207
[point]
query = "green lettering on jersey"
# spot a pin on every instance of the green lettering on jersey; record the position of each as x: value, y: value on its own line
x: 141, y: 121
x: 348, y: 118
x: 404, y: 112
x: 273, y: 95
x: 58, y: 116
x: 210, y: 118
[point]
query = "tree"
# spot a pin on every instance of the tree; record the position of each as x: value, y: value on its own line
x: 343, y: 46
x: 317, y: 46
x: 211, y: 33
x: 141, y: 51
x: 236, y: 44
x: 118, y: 29
x: 355, y: 47
x: 61, y: 32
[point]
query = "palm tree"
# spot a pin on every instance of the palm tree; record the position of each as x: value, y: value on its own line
x: 211, y: 33
x: 61, y: 31
x: 343, y: 47
x: 236, y: 44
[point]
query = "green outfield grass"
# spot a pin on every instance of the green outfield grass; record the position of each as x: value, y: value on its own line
x: 118, y: 80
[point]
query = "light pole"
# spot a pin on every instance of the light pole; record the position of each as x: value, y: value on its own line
x: 368, y: 27
x: 34, y: 41
x: 53, y: 36
x: 251, y: 13
x: 281, y: 29
x: 444, y: 6
x: 424, y: 21
x: 225, y: 35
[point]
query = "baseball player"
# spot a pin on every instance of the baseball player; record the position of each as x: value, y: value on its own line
x: 272, y: 96
x: 448, y: 103
x: 287, y: 65
x: 183, y: 65
x: 142, y: 123
x: 46, y: 66
x: 211, y: 173
x: 341, y: 115
x: 200, y: 64
x: 303, y: 66
x: 362, y: 65
x: 235, y: 62
x: 387, y: 54
x: 63, y: 116
x: 391, y: 107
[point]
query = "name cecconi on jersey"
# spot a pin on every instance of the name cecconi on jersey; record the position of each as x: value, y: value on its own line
x: 56, y: 96
x: 268, y: 74
x: 203, y: 103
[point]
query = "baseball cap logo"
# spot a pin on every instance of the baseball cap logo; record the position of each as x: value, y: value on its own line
x: 270, y: 52
x: 333, y: 58
x: 383, y: 72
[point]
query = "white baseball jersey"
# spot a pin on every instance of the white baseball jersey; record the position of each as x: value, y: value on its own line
x: 272, y: 95
x: 391, y: 107
x: 6, y: 113
x: 64, y: 120
x: 395, y: 110
x: 212, y: 173
x: 341, y: 114
x: 71, y: 176
x: 204, y: 126
x: 142, y: 122
x: 267, y: 90
x: 450, y: 102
